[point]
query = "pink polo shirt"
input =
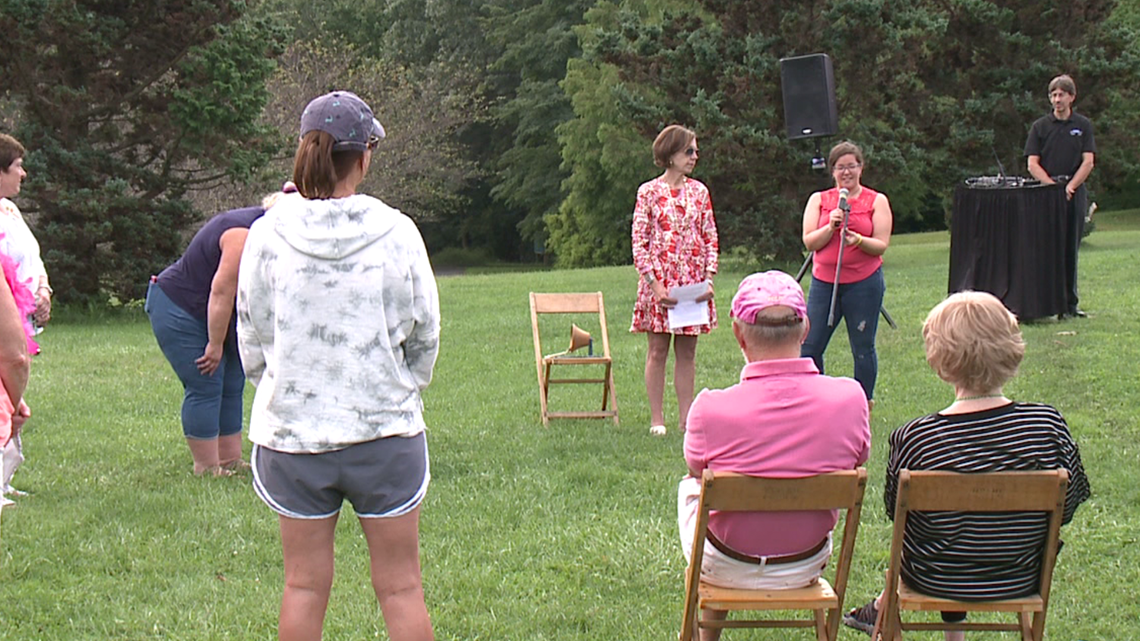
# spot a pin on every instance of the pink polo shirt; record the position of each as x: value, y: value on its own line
x: 783, y: 420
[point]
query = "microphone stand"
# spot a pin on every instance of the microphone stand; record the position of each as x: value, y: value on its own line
x: 846, y: 207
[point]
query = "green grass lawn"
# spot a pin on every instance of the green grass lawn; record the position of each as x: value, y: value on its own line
x: 566, y: 532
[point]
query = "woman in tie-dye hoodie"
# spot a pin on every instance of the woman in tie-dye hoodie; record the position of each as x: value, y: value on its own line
x: 338, y: 327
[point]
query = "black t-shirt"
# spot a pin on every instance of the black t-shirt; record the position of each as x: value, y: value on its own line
x: 1060, y: 143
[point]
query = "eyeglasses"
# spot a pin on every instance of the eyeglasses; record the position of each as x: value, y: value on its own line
x: 848, y: 167
x: 373, y: 143
x: 692, y: 151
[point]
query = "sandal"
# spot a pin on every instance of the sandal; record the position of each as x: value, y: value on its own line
x: 657, y: 430
x: 862, y: 619
x: 215, y: 471
x: 237, y: 466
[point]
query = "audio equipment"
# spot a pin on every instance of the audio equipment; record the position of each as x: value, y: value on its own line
x: 808, y: 85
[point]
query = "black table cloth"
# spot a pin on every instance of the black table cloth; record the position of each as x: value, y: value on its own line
x: 1010, y: 242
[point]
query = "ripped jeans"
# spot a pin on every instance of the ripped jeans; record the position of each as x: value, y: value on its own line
x: 858, y: 305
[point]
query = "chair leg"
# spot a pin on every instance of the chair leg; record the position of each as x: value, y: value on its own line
x: 543, y: 391
x: 833, y: 618
x: 613, y: 396
x: 1026, y: 621
x: 888, y: 626
x: 821, y: 625
x: 1039, y: 626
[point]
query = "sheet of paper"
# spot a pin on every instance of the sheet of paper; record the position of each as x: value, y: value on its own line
x: 688, y: 311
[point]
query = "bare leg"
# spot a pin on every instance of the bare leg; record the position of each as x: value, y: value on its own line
x: 712, y: 634
x: 655, y: 360
x: 229, y: 451
x: 684, y: 374
x: 956, y: 635
x: 394, y: 547
x: 205, y: 454
x: 307, y: 547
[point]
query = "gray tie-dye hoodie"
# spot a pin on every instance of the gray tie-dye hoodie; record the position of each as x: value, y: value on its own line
x: 338, y: 323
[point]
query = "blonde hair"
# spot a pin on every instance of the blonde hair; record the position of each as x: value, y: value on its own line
x: 973, y: 341
x: 672, y: 139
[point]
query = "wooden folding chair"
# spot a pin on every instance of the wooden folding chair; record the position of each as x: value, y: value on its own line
x: 728, y: 492
x: 572, y: 304
x: 921, y: 491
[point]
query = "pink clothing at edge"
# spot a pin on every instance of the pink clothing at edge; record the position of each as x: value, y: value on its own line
x: 783, y: 420
x: 857, y: 264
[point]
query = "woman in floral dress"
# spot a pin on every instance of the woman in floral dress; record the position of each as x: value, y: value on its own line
x: 674, y: 243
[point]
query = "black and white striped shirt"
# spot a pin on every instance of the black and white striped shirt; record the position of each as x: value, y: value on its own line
x: 976, y: 556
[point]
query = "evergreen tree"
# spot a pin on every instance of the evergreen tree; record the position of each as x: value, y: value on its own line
x: 124, y: 108
x: 930, y: 90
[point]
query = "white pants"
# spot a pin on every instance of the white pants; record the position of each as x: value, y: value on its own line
x: 13, y: 456
x: 724, y: 571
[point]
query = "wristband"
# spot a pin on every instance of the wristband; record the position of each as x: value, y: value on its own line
x: 47, y: 287
x: 858, y: 239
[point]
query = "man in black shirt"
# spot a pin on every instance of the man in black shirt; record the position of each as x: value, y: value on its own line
x: 1061, y: 147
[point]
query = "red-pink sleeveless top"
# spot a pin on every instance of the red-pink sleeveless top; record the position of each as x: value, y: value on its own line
x: 857, y: 264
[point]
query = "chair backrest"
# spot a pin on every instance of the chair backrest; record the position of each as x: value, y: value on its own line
x: 573, y: 303
x: 934, y: 491
x: 730, y: 492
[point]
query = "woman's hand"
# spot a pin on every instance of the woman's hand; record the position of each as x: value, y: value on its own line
x: 43, y: 306
x: 662, y: 295
x: 836, y: 218
x: 853, y: 239
x: 209, y: 360
x: 23, y: 413
x: 707, y: 295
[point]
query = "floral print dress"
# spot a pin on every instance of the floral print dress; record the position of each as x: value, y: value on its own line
x: 675, y: 242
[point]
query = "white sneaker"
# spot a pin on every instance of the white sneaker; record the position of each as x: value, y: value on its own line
x: 657, y: 430
x: 6, y: 502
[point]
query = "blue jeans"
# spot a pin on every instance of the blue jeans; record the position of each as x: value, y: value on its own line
x: 858, y: 305
x: 211, y: 405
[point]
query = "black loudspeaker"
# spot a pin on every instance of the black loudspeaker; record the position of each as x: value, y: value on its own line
x: 808, y: 84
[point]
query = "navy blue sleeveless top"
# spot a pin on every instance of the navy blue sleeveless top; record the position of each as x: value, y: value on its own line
x: 187, y: 282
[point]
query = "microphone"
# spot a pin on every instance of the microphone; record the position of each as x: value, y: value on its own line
x: 843, y: 202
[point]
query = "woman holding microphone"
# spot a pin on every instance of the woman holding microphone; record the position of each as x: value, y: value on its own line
x: 860, y: 278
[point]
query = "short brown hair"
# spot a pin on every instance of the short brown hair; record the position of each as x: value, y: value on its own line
x: 973, y: 341
x: 1065, y: 83
x: 842, y: 149
x: 317, y: 168
x: 10, y: 151
x: 672, y: 139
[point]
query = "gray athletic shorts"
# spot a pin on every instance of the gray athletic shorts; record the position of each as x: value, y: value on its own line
x: 386, y: 477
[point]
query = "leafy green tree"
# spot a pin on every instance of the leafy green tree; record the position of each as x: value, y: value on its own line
x: 125, y: 107
x: 514, y: 52
x: 929, y: 89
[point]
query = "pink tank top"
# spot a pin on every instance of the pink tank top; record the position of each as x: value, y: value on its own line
x: 857, y: 264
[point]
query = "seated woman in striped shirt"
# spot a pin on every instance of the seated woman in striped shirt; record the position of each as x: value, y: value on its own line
x: 973, y: 343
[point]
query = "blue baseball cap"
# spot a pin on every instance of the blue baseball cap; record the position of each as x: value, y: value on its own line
x: 345, y: 117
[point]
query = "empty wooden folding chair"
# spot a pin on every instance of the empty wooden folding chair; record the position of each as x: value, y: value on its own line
x: 930, y: 491
x: 729, y: 492
x: 590, y: 303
